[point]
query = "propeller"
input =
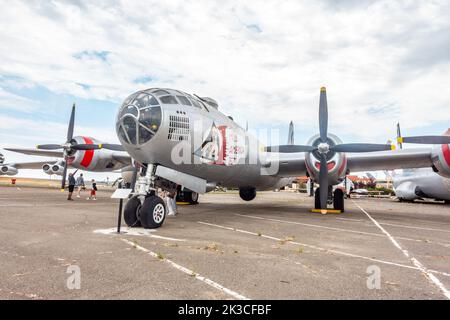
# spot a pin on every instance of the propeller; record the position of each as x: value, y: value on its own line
x: 323, y: 148
x: 70, y: 145
x: 67, y: 146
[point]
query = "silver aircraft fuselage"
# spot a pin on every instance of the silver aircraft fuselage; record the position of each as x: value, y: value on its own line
x: 197, y: 140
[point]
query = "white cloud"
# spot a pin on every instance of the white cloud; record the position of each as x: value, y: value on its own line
x: 382, y: 61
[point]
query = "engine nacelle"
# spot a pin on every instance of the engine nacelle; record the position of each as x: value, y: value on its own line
x: 47, y: 168
x: 92, y: 160
x: 441, y: 159
x: 57, y: 168
x: 336, y: 161
x: 8, y: 170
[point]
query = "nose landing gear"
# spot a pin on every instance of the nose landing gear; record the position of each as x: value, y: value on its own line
x: 336, y: 197
x: 145, y: 207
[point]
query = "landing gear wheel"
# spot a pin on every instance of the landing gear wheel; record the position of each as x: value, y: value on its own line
x: 338, y: 200
x: 247, y: 194
x: 152, y: 213
x: 131, y: 212
x: 317, y: 199
x: 190, y: 196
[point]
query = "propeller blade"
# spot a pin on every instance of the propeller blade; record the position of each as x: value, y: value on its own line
x: 109, y: 146
x: 71, y: 124
x: 49, y: 146
x: 63, y: 181
x: 360, y: 147
x: 112, y: 146
x: 323, y: 114
x: 426, y: 139
x: 399, y: 136
x: 323, y: 182
x: 290, y: 148
x: 83, y: 146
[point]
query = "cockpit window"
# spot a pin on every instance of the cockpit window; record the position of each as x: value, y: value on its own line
x: 139, y: 118
x: 184, y: 100
x: 150, y: 118
x: 129, y: 109
x: 196, y: 103
x: 168, y: 100
x: 160, y: 92
x: 129, y: 124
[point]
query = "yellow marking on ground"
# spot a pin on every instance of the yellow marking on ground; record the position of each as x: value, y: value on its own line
x: 326, y: 211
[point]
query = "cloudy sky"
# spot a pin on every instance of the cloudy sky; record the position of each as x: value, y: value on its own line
x: 263, y: 61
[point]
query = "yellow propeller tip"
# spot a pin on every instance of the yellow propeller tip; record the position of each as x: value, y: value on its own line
x: 100, y: 145
x: 392, y: 147
x: 62, y: 190
x: 400, y: 140
x: 323, y: 89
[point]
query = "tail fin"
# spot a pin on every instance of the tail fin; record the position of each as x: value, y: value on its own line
x: 291, y: 133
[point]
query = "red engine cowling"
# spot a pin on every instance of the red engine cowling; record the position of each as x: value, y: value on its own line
x: 94, y: 160
x: 441, y: 158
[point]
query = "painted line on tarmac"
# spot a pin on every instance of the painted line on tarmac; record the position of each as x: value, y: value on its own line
x: 397, y: 225
x: 189, y: 272
x: 431, y: 277
x: 349, y: 219
x: 338, y: 229
x: 413, y: 227
x: 140, y: 232
x: 347, y: 254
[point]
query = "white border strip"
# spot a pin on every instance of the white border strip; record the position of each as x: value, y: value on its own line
x: 189, y: 272
x: 415, y: 262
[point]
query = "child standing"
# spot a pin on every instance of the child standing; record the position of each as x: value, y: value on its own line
x: 93, y: 191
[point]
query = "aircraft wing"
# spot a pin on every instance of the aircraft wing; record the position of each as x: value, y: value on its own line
x: 28, y: 165
x: 389, y: 160
x: 122, y: 158
x: 288, y: 164
x: 293, y: 164
x: 37, y: 152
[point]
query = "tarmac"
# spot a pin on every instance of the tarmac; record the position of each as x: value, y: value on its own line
x: 223, y: 248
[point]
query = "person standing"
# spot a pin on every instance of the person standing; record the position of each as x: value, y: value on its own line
x: 93, y: 191
x: 80, y: 184
x: 72, y: 183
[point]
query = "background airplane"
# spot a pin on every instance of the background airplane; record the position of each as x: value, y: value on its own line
x: 185, y: 139
x: 420, y: 183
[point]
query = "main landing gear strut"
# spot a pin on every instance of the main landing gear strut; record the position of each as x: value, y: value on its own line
x: 145, y: 208
x: 336, y: 197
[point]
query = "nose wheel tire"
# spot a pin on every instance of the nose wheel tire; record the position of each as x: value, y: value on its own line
x: 153, y: 212
x: 131, y: 212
